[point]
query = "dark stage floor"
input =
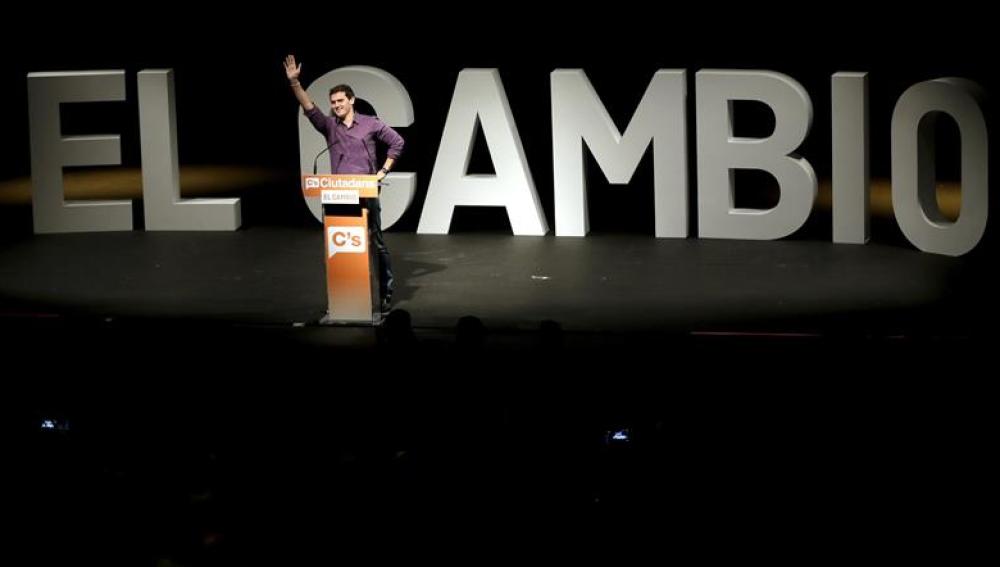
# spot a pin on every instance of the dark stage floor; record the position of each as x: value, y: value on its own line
x: 603, y: 284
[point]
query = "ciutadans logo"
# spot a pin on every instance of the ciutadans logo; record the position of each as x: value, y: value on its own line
x: 350, y: 239
x: 317, y: 182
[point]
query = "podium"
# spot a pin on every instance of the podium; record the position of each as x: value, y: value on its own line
x: 352, y: 290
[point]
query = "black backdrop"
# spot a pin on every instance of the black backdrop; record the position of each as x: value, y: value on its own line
x: 234, y: 106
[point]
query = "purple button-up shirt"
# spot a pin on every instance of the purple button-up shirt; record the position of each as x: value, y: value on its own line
x: 352, y: 150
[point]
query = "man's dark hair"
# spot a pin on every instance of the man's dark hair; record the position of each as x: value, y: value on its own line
x: 346, y: 89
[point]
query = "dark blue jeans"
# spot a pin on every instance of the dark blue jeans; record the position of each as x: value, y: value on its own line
x: 386, y: 282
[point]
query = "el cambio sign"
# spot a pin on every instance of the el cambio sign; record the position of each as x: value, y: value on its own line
x: 580, y: 123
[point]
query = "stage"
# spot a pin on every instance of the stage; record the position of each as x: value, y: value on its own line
x: 603, y: 284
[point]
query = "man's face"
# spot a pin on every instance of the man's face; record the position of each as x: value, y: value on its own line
x: 341, y: 105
